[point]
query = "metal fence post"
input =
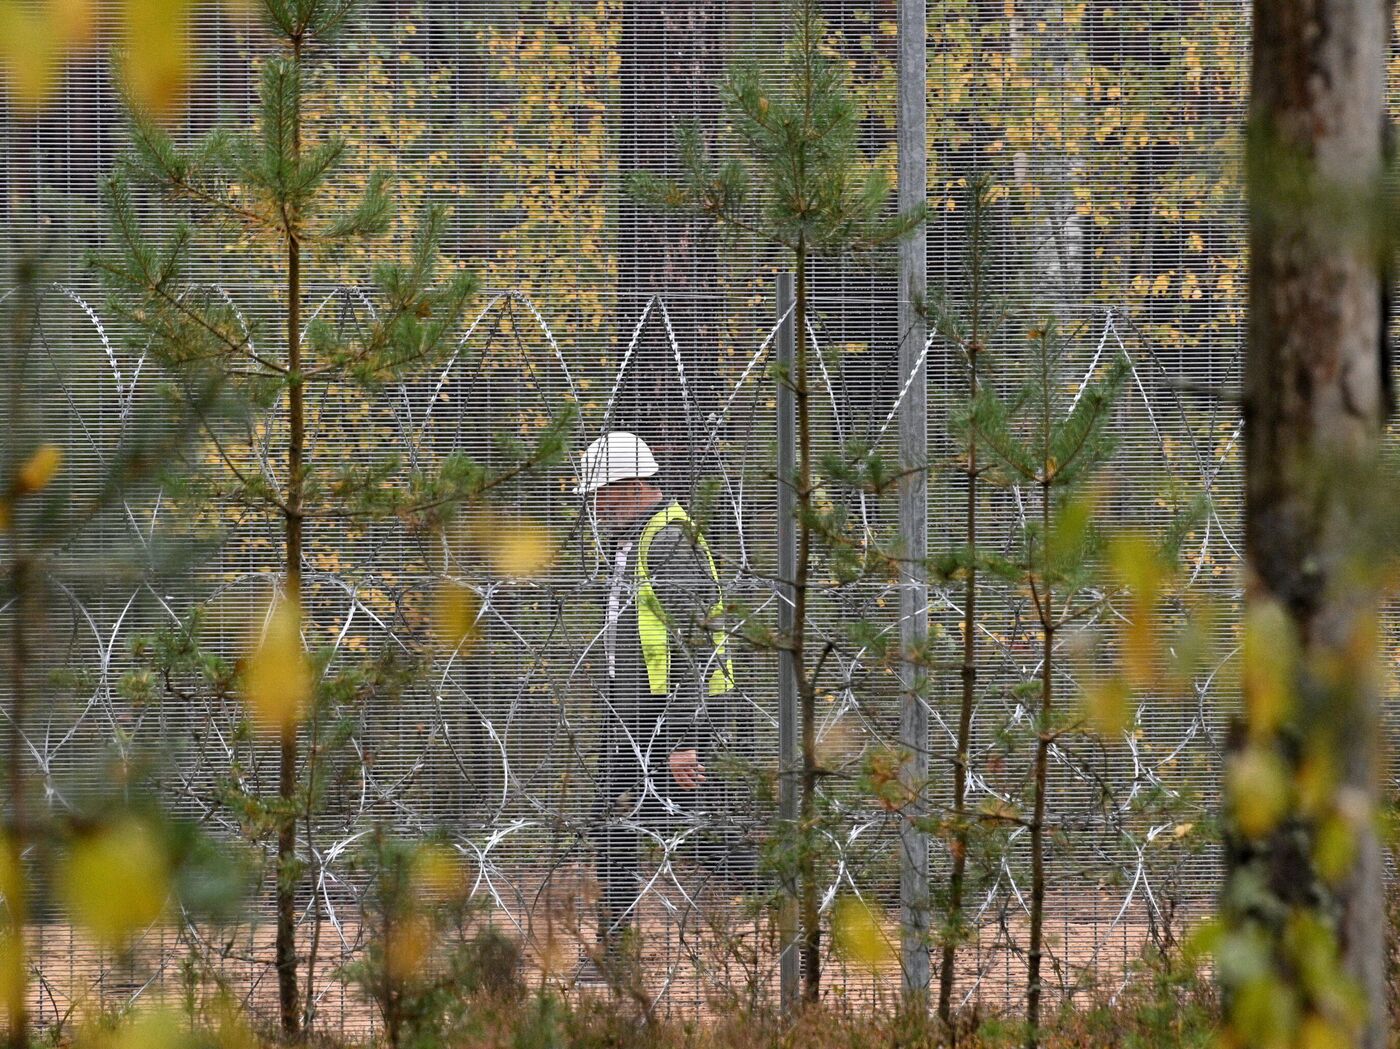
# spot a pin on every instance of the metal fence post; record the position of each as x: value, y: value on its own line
x: 912, y: 131
x: 789, y: 765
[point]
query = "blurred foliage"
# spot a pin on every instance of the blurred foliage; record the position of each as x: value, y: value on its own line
x: 1293, y: 826
x: 457, y: 615
x: 106, y: 858
x: 860, y: 936
x: 152, y: 41
x: 277, y: 680
x: 431, y: 956
x: 115, y: 881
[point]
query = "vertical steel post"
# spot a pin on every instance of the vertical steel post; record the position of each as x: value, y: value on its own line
x: 912, y: 131
x: 789, y: 759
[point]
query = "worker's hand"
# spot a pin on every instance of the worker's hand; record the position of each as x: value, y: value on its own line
x: 686, y: 769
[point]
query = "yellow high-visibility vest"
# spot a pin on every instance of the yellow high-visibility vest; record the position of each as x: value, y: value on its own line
x: 653, y: 620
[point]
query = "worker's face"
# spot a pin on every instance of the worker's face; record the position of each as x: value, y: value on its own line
x: 618, y: 504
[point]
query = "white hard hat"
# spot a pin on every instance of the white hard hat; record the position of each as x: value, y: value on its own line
x: 616, y: 456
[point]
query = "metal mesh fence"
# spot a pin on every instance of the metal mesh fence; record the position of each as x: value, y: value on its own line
x: 1110, y: 132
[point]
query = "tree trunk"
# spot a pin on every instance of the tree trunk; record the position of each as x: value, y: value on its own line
x: 287, y: 772
x: 16, y: 904
x: 1315, y: 401
x: 1045, y: 610
x: 947, y: 972
x: 806, y: 685
x: 22, y: 582
x: 23, y: 250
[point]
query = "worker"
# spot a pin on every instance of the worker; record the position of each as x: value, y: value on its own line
x: 667, y: 665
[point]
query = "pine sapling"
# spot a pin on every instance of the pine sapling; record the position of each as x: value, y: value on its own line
x: 268, y: 189
x: 1051, y: 443
x: 799, y: 184
x: 968, y: 331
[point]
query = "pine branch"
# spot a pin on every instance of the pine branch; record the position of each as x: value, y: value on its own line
x: 369, y: 218
x: 156, y: 162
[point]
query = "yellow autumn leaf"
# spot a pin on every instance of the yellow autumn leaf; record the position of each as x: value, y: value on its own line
x: 40, y: 468
x: 1257, y: 785
x: 438, y: 873
x: 1139, y: 568
x: 115, y: 881
x: 1316, y: 779
x: 13, y: 885
x: 1193, y: 642
x: 29, y: 54
x: 14, y: 975
x: 1106, y: 705
x: 14, y: 891
x: 857, y: 933
x: 157, y: 61
x: 407, y: 942
x: 1072, y: 524
x: 229, y: 1025
x: 74, y: 21
x: 1264, y: 1012
x: 276, y: 677
x: 1203, y: 940
x: 1315, y: 1032
x: 455, y: 615
x: 1268, y: 662
x: 521, y: 549
x: 1334, y: 849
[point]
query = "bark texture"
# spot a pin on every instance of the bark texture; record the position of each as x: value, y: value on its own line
x: 1314, y: 410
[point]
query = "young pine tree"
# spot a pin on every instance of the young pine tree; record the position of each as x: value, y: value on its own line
x: 967, y: 328
x: 1046, y: 442
x: 799, y: 184
x: 265, y: 190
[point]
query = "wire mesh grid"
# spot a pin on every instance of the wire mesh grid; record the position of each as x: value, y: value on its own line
x: 527, y: 116
x: 500, y: 747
